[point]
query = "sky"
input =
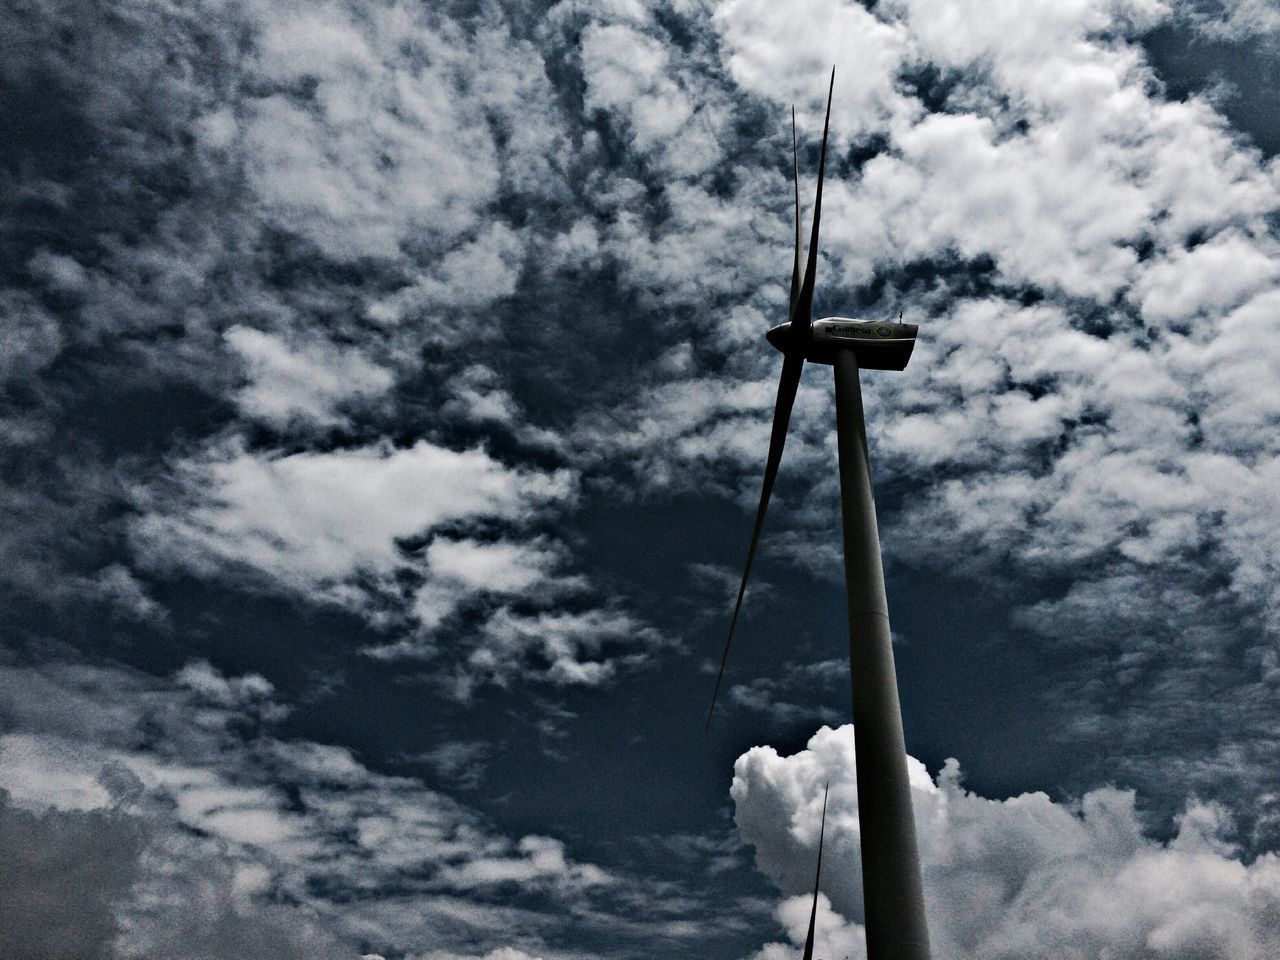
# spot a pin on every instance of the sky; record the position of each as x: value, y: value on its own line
x: 383, y: 405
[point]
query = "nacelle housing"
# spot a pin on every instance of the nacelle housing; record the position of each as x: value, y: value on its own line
x: 878, y: 344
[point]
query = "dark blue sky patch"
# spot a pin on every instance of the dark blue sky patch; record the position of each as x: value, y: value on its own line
x: 1242, y: 76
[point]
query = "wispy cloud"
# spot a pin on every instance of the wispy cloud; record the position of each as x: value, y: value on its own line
x: 215, y: 833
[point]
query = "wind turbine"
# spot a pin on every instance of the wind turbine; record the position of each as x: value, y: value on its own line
x: 893, y: 900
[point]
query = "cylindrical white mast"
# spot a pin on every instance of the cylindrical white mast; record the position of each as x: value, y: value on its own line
x: 892, y: 893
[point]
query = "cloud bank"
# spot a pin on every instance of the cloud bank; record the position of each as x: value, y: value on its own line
x: 1020, y: 877
x: 144, y: 816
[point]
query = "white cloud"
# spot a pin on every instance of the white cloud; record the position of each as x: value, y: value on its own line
x: 680, y: 432
x: 708, y: 247
x: 502, y: 953
x: 784, y: 53
x: 533, y: 859
x: 666, y: 111
x: 202, y: 679
x: 1015, y: 38
x: 460, y: 762
x: 331, y: 527
x: 791, y: 696
x: 472, y: 275
x: 1155, y: 441
x: 478, y: 396
x: 1234, y: 20
x: 292, y: 847
x: 41, y: 770
x: 1121, y: 431
x: 1208, y: 280
x: 30, y: 336
x: 834, y: 935
x: 1059, y: 160
x: 578, y: 648
x: 115, y: 586
x: 308, y: 380
x: 1097, y: 165
x: 316, y: 519
x: 1022, y: 877
x: 458, y: 568
x: 505, y: 567
x: 382, y: 146
x: 372, y: 130
x: 1044, y: 216
x: 227, y: 848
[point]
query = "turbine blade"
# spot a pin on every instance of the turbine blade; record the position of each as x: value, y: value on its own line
x: 795, y: 182
x: 799, y: 317
x: 788, y: 384
x: 804, y: 304
x: 813, y: 912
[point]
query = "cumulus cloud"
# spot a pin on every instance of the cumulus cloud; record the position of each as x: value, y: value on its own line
x: 1020, y: 877
x: 834, y: 936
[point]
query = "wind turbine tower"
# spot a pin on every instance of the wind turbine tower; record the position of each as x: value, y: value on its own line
x: 892, y: 893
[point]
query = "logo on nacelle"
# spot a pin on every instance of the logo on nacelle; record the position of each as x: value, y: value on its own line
x: 861, y: 331
x: 878, y: 344
x: 848, y: 330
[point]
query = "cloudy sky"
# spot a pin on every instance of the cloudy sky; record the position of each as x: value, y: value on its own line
x: 383, y: 401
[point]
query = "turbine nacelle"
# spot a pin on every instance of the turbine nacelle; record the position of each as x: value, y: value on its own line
x: 878, y: 344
